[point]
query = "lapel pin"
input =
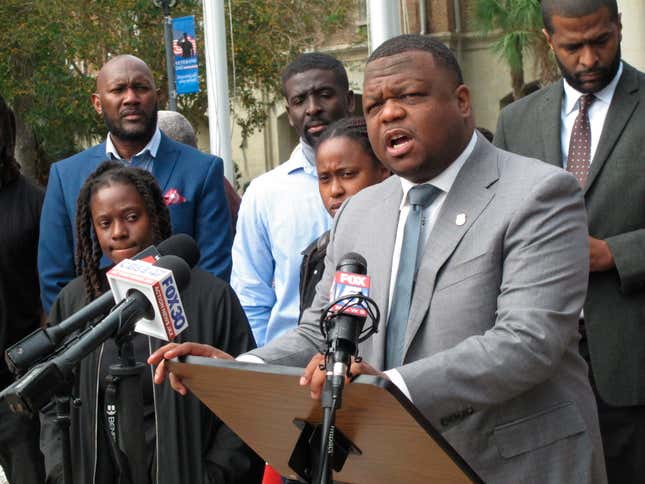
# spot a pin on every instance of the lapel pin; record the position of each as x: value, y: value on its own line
x: 461, y: 219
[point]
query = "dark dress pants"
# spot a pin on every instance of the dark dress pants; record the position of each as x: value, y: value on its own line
x: 623, y: 433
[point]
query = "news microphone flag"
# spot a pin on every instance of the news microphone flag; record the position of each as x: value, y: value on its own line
x: 346, y: 284
x: 159, y: 287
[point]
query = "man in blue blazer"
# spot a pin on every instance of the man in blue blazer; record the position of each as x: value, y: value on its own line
x: 192, y: 182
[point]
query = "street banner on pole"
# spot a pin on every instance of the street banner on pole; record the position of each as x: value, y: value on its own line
x: 185, y: 49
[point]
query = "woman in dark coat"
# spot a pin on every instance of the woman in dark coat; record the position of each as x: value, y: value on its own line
x: 121, y: 212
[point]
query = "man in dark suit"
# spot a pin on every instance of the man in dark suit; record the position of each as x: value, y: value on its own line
x: 191, y: 181
x: 591, y: 123
x: 175, y: 125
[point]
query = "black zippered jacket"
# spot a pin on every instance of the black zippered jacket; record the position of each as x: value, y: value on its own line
x: 192, y: 444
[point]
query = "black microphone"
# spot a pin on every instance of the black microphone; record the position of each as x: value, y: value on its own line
x: 341, y: 323
x: 43, y: 341
x: 348, y: 314
x: 42, y: 382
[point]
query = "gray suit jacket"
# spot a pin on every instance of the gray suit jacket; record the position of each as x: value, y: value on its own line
x: 615, y: 199
x: 491, y: 346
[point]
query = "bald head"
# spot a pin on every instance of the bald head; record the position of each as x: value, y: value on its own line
x: 126, y: 97
x: 119, y: 64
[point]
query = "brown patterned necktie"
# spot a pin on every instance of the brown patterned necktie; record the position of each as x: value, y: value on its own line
x: 579, y: 156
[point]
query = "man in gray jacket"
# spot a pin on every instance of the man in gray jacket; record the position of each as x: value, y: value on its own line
x: 474, y: 263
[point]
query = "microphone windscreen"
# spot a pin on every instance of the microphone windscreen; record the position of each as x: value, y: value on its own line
x: 180, y: 245
x: 352, y: 262
x: 179, y: 268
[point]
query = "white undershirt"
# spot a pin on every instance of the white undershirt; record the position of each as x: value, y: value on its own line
x: 597, y: 114
x: 152, y: 146
x: 444, y: 182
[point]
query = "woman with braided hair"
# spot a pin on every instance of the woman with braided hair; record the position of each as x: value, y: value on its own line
x: 121, y: 211
x: 346, y: 164
x: 89, y: 251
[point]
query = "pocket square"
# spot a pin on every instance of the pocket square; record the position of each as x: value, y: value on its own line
x: 173, y: 197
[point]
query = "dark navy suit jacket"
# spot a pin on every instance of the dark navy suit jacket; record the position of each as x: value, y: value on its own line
x: 204, y: 214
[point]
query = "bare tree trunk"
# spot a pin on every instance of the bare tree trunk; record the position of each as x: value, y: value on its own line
x: 26, y: 150
x: 517, y: 75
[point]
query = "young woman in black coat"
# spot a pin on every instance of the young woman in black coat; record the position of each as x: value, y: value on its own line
x: 120, y: 212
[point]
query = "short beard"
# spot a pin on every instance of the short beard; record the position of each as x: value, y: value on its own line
x: 144, y: 134
x: 607, y: 75
x: 311, y: 140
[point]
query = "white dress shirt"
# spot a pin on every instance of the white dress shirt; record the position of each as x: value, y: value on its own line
x: 444, y: 182
x: 143, y: 159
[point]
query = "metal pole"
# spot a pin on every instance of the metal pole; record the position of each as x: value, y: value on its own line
x: 217, y: 84
x: 385, y: 21
x: 457, y: 9
x: 423, y: 16
x: 170, y: 57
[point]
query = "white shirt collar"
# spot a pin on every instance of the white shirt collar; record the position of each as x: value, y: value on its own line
x: 309, y: 152
x: 152, y: 146
x: 303, y: 157
x: 571, y: 95
x: 444, y: 180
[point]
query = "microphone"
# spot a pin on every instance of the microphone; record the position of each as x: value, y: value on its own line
x: 43, y: 341
x: 341, y: 323
x: 167, y: 317
x: 343, y: 320
x: 42, y: 382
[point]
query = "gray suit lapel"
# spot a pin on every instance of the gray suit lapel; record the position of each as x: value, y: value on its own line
x: 383, y: 236
x: 621, y: 109
x: 549, y: 120
x: 469, y: 195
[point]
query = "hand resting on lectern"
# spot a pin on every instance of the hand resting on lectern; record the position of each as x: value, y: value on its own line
x: 174, y: 350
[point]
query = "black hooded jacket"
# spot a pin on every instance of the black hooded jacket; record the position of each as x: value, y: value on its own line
x: 191, y: 444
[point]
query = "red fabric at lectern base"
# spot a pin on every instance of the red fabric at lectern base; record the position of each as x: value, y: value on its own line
x: 271, y: 476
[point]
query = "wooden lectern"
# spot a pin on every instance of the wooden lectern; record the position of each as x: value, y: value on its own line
x: 266, y: 407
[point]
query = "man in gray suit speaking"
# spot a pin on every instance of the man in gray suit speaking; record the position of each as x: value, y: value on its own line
x: 592, y: 124
x: 480, y: 329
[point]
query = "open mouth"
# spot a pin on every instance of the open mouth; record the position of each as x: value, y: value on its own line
x: 335, y: 206
x: 399, y: 144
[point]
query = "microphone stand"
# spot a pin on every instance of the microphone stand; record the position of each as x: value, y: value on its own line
x: 331, y: 401
x: 124, y: 412
x: 53, y: 379
x: 63, y: 422
x: 342, y: 344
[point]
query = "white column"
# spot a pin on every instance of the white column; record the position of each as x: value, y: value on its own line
x: 633, y: 19
x: 219, y: 125
x: 384, y: 18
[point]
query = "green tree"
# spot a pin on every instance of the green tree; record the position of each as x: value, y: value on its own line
x: 266, y: 37
x: 520, y: 23
x: 52, y: 50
